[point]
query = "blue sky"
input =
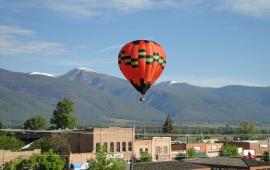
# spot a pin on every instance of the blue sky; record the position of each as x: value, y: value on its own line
x: 208, y: 42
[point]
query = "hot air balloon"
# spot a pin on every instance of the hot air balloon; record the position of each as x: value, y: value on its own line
x: 142, y: 62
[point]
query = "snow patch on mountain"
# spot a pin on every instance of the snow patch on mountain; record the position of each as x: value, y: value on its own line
x: 85, y: 69
x: 172, y: 82
x: 44, y: 74
x: 167, y: 83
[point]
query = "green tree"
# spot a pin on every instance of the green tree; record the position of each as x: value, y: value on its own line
x: 10, y: 142
x: 265, y: 156
x: 191, y: 153
x: 62, y: 117
x: 58, y: 143
x: 246, y: 129
x: 12, y: 165
x: 46, y: 161
x: 35, y: 123
x: 145, y: 157
x: 229, y: 150
x: 168, y: 125
x: 45, y: 144
x: 104, y: 162
x: 1, y: 125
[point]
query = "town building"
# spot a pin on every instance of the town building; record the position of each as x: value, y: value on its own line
x: 158, y: 147
x: 253, y: 147
x: 230, y: 163
x: 120, y: 142
x: 168, y: 165
x: 179, y: 150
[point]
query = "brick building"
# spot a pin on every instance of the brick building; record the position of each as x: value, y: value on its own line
x: 254, y: 147
x: 119, y: 141
x: 207, y: 149
x: 158, y: 147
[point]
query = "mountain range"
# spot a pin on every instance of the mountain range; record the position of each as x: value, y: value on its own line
x: 98, y: 97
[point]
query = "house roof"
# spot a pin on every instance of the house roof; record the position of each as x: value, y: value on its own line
x: 219, y: 161
x: 227, y: 161
x: 254, y: 163
x: 167, y: 165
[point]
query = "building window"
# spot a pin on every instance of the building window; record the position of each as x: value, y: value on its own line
x: 197, y: 148
x: 97, y: 146
x: 129, y: 146
x: 117, y: 146
x: 105, y: 145
x: 124, y: 147
x: 146, y: 150
x: 158, y: 150
x: 213, y: 147
x: 141, y: 150
x: 112, y: 147
x: 165, y: 149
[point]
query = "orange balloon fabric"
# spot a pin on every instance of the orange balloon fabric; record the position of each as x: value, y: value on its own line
x: 142, y: 62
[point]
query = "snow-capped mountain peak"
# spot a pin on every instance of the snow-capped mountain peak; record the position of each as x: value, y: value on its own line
x: 44, y: 74
x: 85, y: 69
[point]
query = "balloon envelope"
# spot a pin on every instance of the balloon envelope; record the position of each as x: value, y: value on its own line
x: 142, y: 62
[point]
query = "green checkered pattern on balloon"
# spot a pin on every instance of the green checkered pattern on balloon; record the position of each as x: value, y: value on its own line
x: 142, y: 54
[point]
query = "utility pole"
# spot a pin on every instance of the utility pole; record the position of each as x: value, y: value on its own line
x: 144, y: 130
x: 9, y: 124
x: 187, y: 136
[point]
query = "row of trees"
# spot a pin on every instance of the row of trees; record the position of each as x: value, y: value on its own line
x: 46, y: 161
x: 245, y: 130
x: 54, y: 152
x: 51, y: 147
x: 50, y: 158
x: 62, y: 118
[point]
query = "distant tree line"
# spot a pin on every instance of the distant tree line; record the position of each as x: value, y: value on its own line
x: 245, y: 130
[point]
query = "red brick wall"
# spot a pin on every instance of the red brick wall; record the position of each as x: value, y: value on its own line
x: 194, y: 145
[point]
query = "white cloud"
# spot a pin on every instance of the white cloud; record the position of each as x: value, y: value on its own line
x: 257, y: 8
x: 14, y: 41
x: 6, y: 30
x: 96, y: 63
x: 91, y: 8
x: 105, y: 49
